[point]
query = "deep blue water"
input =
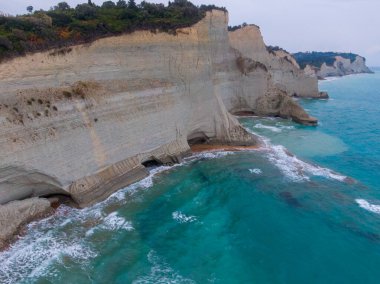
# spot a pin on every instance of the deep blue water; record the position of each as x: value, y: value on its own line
x: 264, y: 216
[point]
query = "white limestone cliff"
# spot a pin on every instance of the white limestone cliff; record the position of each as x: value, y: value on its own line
x: 284, y: 70
x: 341, y: 67
x: 83, y: 123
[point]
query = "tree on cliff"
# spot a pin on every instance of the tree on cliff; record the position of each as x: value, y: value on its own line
x: 29, y: 9
x: 62, y: 6
x: 108, y: 4
x: 121, y: 4
x: 132, y: 4
x: 85, y: 12
x: 63, y: 26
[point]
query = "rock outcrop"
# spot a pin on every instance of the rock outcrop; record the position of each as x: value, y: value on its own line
x: 331, y: 64
x: 283, y: 69
x: 263, y: 77
x: 343, y: 66
x: 18, y: 213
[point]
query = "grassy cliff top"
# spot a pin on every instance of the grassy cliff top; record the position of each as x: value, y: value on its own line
x: 63, y: 25
x: 316, y: 59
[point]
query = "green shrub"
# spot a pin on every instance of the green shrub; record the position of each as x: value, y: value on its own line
x: 63, y: 26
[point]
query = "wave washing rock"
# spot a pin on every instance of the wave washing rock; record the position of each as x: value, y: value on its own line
x: 84, y: 123
x: 20, y: 213
x: 331, y: 64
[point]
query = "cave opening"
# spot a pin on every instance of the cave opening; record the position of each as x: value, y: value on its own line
x: 152, y: 162
x: 197, y: 138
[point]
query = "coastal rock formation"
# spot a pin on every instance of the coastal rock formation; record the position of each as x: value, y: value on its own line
x: 284, y: 71
x: 343, y: 66
x: 264, y: 77
x: 83, y: 124
x: 18, y: 213
x: 278, y: 103
x: 331, y: 64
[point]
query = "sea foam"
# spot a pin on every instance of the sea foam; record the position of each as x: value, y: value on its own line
x: 256, y: 171
x: 161, y: 272
x: 368, y: 206
x: 182, y: 218
x: 293, y: 168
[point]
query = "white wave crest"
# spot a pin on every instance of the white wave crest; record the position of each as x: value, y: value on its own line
x: 296, y: 169
x: 271, y: 128
x: 161, y: 272
x: 30, y: 257
x: 368, y: 206
x: 256, y: 171
x: 287, y: 127
x: 211, y: 155
x: 114, y: 222
x: 182, y: 218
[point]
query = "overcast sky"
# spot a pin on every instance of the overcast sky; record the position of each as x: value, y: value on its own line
x: 296, y: 25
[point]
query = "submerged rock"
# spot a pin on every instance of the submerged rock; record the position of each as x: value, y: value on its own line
x: 290, y: 199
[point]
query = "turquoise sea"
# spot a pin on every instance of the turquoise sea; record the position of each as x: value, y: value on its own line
x: 306, y: 209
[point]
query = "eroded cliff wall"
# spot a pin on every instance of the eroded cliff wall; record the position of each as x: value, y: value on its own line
x: 343, y: 66
x: 83, y: 123
x: 263, y: 83
x: 284, y: 71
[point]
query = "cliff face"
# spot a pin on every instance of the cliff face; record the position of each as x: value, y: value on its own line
x: 284, y: 72
x: 264, y: 82
x: 82, y: 124
x: 343, y: 66
x: 326, y: 64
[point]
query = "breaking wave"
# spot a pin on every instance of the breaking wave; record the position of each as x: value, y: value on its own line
x: 293, y: 168
x: 182, y: 218
x: 296, y: 169
x: 256, y: 171
x: 278, y: 128
x: 42, y: 246
x: 161, y: 272
x: 368, y: 206
x: 271, y: 128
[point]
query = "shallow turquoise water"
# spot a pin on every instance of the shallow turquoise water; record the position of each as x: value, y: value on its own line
x: 249, y: 217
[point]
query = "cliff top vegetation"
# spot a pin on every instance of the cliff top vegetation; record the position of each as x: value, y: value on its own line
x: 243, y: 25
x: 63, y: 25
x: 316, y: 59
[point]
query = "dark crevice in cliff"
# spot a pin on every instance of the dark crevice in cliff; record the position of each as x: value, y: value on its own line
x: 197, y: 138
x: 152, y: 163
x: 57, y: 199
